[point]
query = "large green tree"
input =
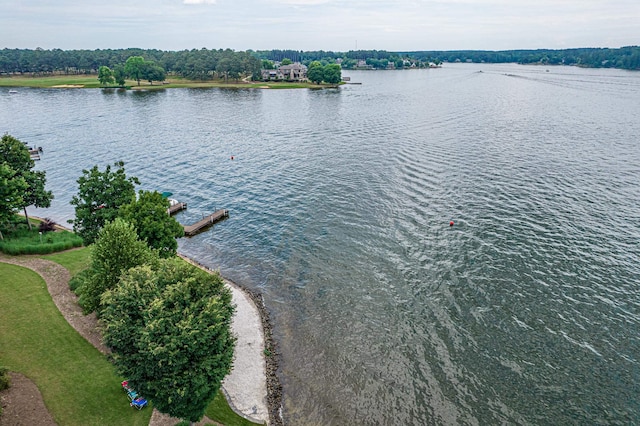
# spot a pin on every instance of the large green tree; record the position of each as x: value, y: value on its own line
x: 12, y: 188
x: 332, y: 74
x: 137, y: 68
x: 315, y: 72
x: 148, y: 214
x: 134, y: 68
x: 105, y: 76
x: 153, y: 72
x: 16, y: 155
x: 169, y: 327
x: 119, y: 75
x: 100, y: 195
x: 35, y: 195
x: 116, y: 250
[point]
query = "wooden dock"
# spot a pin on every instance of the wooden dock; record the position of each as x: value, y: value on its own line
x: 176, y: 208
x: 190, y: 230
x: 35, y: 153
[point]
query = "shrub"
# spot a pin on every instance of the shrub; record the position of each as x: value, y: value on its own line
x: 30, y: 242
x: 5, y: 380
x: 47, y: 225
x: 79, y: 280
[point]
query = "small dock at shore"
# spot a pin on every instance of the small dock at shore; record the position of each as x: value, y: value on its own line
x: 191, y: 230
x: 35, y: 152
x: 176, y: 207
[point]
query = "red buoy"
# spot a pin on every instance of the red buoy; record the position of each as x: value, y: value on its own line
x: 232, y: 157
x: 451, y: 223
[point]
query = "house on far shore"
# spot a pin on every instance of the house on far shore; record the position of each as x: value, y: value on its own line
x: 292, y: 72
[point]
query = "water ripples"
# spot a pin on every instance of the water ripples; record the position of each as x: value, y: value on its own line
x: 525, y: 310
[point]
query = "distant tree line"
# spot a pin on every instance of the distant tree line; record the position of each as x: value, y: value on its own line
x: 209, y: 64
x: 625, y: 57
x: 203, y: 64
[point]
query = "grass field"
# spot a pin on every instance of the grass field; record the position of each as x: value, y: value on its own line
x: 91, y: 81
x: 78, y: 384
x: 220, y: 411
x: 74, y: 260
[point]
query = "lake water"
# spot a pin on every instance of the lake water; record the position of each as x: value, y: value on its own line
x: 526, y: 311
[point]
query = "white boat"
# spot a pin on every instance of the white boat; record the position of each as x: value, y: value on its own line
x: 11, y: 92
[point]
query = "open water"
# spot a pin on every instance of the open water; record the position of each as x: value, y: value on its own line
x: 526, y: 311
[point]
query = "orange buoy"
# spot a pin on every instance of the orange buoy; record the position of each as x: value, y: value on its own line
x: 451, y: 223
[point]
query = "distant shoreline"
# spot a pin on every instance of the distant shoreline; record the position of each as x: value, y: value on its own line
x: 91, y: 82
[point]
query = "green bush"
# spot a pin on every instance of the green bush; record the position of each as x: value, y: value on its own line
x: 47, y: 225
x: 5, y: 380
x: 77, y: 281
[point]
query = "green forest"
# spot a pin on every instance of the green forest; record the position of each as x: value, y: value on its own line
x: 207, y: 64
x: 624, y: 57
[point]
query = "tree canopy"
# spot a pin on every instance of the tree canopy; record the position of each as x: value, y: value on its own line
x: 105, y: 76
x: 148, y: 214
x: 332, y: 73
x: 100, y: 195
x: 119, y: 74
x: 115, y: 251
x: 35, y: 195
x: 153, y: 72
x: 315, y: 72
x: 12, y: 187
x: 15, y: 155
x: 169, y: 326
x: 134, y: 68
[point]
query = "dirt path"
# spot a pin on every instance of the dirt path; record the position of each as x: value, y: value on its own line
x: 22, y: 404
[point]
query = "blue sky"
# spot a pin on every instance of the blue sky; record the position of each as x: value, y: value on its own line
x: 339, y: 25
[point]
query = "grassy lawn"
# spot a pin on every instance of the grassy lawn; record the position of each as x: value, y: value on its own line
x: 74, y: 260
x: 91, y: 81
x: 77, y: 382
x: 220, y: 412
x: 50, y: 81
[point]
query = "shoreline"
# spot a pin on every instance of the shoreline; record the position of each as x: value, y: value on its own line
x: 269, y: 354
x: 90, y: 82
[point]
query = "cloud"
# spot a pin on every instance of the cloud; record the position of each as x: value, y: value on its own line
x: 319, y: 24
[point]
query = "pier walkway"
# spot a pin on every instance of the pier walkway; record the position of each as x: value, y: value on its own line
x: 176, y: 207
x: 190, y: 230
